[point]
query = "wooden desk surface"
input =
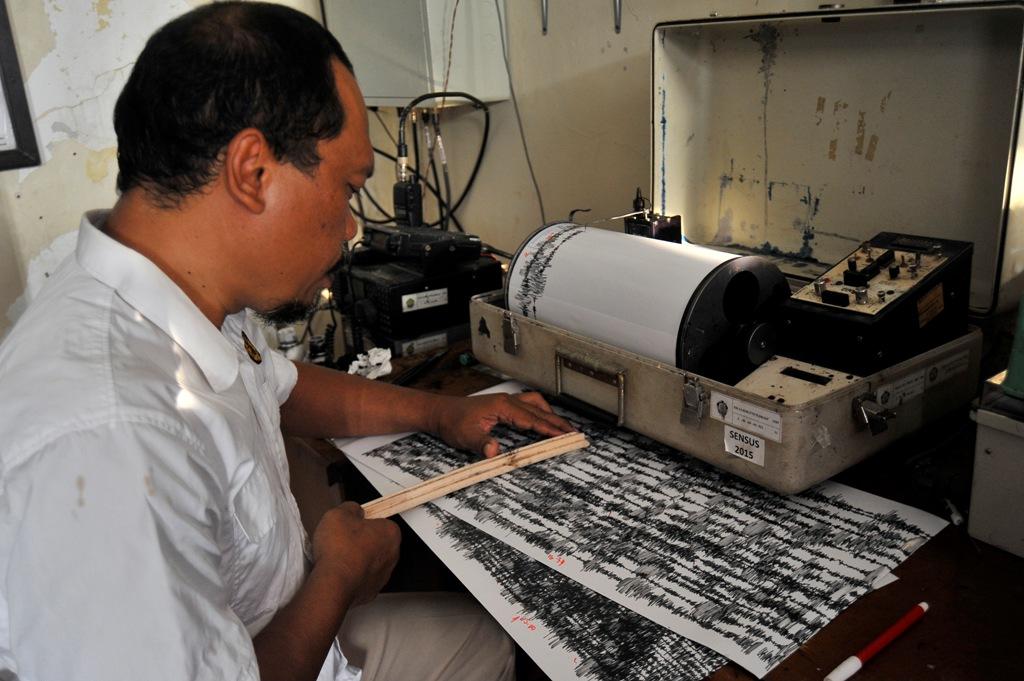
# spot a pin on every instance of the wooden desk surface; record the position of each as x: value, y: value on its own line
x: 976, y: 592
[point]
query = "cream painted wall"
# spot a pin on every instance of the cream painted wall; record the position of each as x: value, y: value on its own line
x: 584, y: 95
x: 583, y: 91
x: 74, y: 57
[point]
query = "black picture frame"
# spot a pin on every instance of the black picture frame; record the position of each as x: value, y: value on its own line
x: 25, y: 152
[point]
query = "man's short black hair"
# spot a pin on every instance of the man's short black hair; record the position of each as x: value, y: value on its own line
x: 213, y: 72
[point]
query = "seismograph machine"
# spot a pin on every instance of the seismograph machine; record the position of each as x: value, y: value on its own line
x: 848, y: 182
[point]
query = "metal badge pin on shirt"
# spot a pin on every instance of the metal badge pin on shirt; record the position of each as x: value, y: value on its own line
x: 254, y: 354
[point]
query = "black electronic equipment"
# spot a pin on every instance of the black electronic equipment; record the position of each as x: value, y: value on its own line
x: 404, y: 300
x: 896, y: 296
x: 652, y: 225
x: 408, y: 197
x: 426, y: 342
x: 423, y: 244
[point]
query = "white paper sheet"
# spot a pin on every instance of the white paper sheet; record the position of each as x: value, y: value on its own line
x: 569, y: 631
x: 585, y: 280
x: 741, y: 570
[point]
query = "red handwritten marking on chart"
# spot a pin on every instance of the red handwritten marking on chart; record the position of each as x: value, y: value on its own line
x: 557, y: 560
x: 526, y: 622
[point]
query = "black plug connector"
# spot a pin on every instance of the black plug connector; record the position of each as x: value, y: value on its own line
x: 408, y: 197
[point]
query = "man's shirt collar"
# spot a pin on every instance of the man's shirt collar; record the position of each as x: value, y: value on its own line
x: 156, y: 297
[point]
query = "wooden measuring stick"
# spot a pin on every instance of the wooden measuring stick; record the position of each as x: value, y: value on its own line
x: 463, y: 477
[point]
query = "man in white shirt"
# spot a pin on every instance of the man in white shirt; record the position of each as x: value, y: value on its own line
x: 146, y: 527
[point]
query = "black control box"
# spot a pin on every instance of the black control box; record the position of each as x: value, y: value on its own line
x: 896, y: 296
x: 427, y: 342
x: 654, y: 226
x: 427, y: 246
x: 403, y: 299
x: 643, y: 222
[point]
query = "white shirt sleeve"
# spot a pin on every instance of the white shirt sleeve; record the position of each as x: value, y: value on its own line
x: 113, y: 570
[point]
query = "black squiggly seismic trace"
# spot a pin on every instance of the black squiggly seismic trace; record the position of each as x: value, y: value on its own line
x: 671, y: 535
x: 607, y: 641
x: 535, y: 271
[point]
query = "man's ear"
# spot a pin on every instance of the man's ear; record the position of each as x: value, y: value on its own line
x: 246, y: 161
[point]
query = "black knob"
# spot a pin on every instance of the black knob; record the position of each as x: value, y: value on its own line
x: 894, y: 271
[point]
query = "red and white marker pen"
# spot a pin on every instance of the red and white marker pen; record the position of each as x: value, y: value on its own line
x: 852, y: 665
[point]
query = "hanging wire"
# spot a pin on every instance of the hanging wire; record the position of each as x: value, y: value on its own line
x: 519, y: 119
x: 430, y: 187
x: 387, y: 130
x: 432, y: 169
x: 451, y: 47
x: 360, y: 213
x: 444, y: 168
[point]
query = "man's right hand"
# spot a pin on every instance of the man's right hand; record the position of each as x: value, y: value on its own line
x: 360, y: 553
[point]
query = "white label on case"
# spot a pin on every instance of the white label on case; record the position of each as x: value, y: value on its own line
x: 914, y: 384
x: 948, y: 367
x: 424, y: 299
x: 423, y: 344
x: 744, y: 445
x: 896, y: 393
x: 734, y: 412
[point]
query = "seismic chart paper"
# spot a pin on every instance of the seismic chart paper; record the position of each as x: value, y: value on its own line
x: 571, y: 632
x: 562, y: 275
x: 727, y: 564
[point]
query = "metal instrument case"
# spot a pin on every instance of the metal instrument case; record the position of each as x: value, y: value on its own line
x: 820, y: 429
x: 798, y: 136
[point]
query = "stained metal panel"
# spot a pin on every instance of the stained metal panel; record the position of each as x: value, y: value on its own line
x: 801, y: 135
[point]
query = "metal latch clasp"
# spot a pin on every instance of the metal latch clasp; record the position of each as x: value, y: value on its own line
x: 695, y: 401
x: 868, y: 412
x: 510, y: 333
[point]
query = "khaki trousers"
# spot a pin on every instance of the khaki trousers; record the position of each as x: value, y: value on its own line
x: 426, y: 637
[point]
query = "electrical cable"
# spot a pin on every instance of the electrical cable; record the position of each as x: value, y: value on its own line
x: 403, y: 149
x: 476, y: 163
x: 328, y: 346
x: 441, y: 205
x: 437, y: 120
x: 444, y: 167
x: 369, y: 220
x: 479, y: 160
x: 308, y: 322
x: 387, y: 130
x: 433, y: 190
x: 444, y: 217
x: 450, y: 208
x: 376, y: 205
x: 477, y: 104
x: 448, y: 66
x: 451, y: 46
x: 429, y: 131
x: 417, y: 179
x: 360, y: 213
x: 438, y: 146
x: 415, y: 147
x: 515, y: 106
